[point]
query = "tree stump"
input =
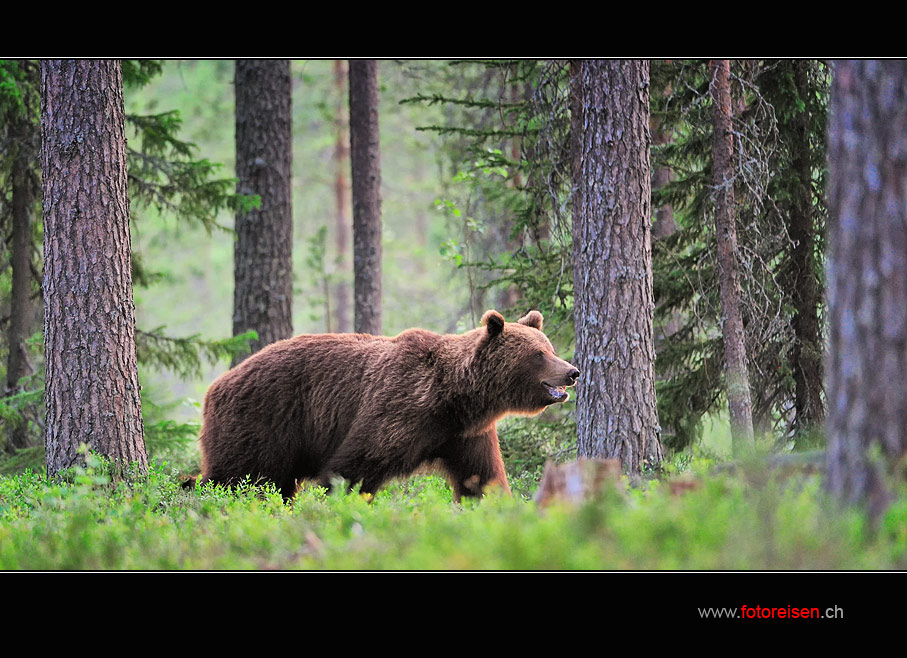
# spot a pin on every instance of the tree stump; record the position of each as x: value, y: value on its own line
x: 576, y: 482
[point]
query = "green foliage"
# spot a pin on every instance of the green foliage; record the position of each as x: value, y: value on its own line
x: 22, y: 461
x: 183, y: 356
x: 93, y: 521
x: 506, y: 140
x: 13, y: 87
x: 170, y: 432
x: 139, y: 72
x: 163, y: 174
x: 527, y: 443
x: 11, y: 405
x: 25, y: 405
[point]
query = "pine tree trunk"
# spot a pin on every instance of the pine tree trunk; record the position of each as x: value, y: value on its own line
x: 365, y: 158
x: 738, y: 388
x: 616, y: 414
x: 867, y: 286
x: 806, y: 357
x: 342, y: 195
x: 262, y: 261
x: 24, y: 188
x: 92, y: 390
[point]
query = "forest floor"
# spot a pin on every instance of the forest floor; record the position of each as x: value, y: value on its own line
x: 748, y: 518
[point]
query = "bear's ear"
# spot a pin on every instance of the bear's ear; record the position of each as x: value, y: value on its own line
x: 532, y: 319
x: 494, y: 321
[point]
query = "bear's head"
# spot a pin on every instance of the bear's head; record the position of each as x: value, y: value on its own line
x: 521, y: 362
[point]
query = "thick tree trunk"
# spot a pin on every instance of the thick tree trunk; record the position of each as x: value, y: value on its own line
x: 616, y: 414
x: 806, y: 357
x: 92, y: 390
x: 365, y: 157
x: 738, y: 387
x: 263, y: 266
x: 24, y: 190
x: 342, y: 220
x: 867, y: 286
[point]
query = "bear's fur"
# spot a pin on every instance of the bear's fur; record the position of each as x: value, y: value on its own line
x: 370, y: 408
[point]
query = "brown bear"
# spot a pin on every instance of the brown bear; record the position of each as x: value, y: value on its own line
x: 371, y: 408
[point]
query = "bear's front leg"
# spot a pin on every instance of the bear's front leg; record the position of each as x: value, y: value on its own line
x: 473, y: 462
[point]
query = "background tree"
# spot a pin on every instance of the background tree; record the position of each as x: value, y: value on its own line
x: 771, y: 172
x: 342, y: 220
x: 92, y: 390
x: 738, y: 386
x: 20, y: 105
x: 797, y: 92
x: 616, y: 413
x: 867, y: 288
x: 664, y: 223
x: 365, y: 159
x: 263, y: 267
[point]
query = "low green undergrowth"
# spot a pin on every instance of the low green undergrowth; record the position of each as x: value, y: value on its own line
x: 92, y: 522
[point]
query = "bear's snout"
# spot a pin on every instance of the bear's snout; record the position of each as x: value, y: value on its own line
x: 573, y: 375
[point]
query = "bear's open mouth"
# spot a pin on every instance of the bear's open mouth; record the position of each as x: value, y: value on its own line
x: 557, y: 393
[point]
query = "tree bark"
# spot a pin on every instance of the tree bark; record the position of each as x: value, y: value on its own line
x: 92, y: 390
x: 263, y: 266
x: 342, y: 196
x: 365, y: 158
x: 616, y: 414
x: 740, y: 404
x: 867, y: 288
x: 806, y: 356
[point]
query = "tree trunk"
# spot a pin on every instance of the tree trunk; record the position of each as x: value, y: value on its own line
x: 342, y: 195
x: 24, y: 190
x: 92, y: 390
x: 509, y: 295
x: 806, y: 357
x: 365, y: 158
x: 616, y: 414
x: 664, y: 224
x: 738, y: 388
x: 867, y: 287
x: 263, y: 267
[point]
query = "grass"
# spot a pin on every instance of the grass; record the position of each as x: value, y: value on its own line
x: 744, y: 521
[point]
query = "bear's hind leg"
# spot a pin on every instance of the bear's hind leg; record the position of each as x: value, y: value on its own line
x: 287, y: 488
x: 353, y: 465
